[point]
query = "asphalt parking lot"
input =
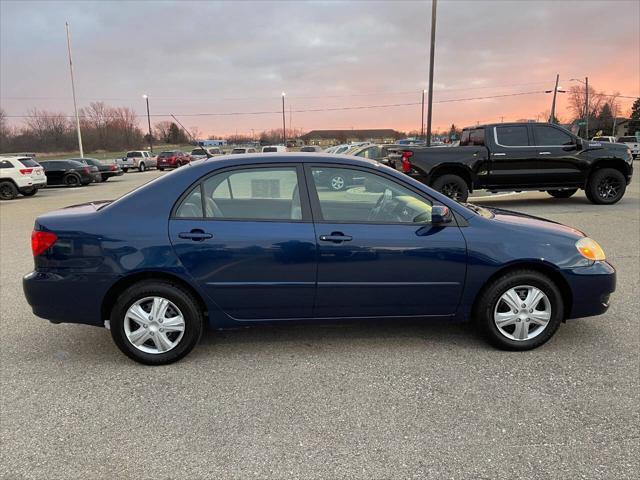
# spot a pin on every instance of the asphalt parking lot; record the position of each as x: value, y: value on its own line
x: 364, y: 400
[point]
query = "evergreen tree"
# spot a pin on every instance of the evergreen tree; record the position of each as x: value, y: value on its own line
x: 635, y: 110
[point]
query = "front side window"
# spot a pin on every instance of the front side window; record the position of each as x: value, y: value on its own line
x: 550, y: 136
x: 365, y: 197
x: 248, y: 194
x: 515, y: 136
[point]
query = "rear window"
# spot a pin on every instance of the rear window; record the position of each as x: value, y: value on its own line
x: 515, y: 136
x: 269, y: 149
x: 628, y: 140
x: 601, y: 139
x: 238, y: 150
x: 476, y: 137
x: 166, y: 154
x: 27, y: 162
x: 134, y: 154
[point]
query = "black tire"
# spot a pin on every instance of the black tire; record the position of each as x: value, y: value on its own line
x: 488, y: 300
x: 105, y: 178
x: 606, y: 186
x: 29, y: 192
x: 452, y: 186
x: 188, y: 306
x: 562, y: 193
x: 71, y: 180
x: 161, y: 169
x: 125, y: 170
x: 142, y: 167
x: 8, y: 190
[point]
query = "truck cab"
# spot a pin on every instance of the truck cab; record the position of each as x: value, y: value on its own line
x: 140, y: 159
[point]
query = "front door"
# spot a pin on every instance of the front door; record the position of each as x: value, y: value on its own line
x: 246, y: 237
x: 378, y: 255
x: 559, y: 161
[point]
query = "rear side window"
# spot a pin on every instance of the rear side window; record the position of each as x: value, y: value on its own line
x: 191, y: 206
x: 550, y: 136
x: 6, y: 164
x: 515, y: 136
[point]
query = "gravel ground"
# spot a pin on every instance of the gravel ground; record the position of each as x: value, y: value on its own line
x: 365, y: 400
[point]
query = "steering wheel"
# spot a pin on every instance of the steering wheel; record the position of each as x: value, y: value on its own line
x: 380, y: 205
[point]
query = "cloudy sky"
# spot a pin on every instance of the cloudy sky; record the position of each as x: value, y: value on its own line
x: 219, y: 58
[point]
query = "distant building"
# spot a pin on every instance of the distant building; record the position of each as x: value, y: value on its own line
x: 326, y: 138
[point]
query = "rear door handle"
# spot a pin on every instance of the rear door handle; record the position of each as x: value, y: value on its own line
x: 336, y: 237
x: 545, y: 153
x: 499, y: 154
x: 196, y: 235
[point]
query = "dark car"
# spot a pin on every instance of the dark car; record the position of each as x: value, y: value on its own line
x: 172, y: 159
x: 522, y: 156
x: 105, y: 172
x: 246, y: 240
x: 68, y: 172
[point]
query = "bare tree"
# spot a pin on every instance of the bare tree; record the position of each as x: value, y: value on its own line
x: 576, y: 99
x: 161, y: 130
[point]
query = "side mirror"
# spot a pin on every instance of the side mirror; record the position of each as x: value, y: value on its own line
x: 440, y: 214
x: 578, y: 144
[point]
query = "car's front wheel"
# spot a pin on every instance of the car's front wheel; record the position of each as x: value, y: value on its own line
x: 142, y: 167
x: 156, y: 322
x: 71, y: 180
x: 562, y: 193
x: 520, y: 311
x: 8, y: 190
x: 606, y: 186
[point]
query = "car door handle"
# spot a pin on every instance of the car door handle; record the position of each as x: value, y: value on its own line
x: 499, y: 154
x: 196, y: 235
x: 545, y: 153
x: 336, y: 237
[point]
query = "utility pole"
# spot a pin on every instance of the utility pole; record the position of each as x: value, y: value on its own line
x: 586, y: 106
x: 434, y: 5
x: 552, y: 119
x: 146, y: 97
x: 422, y: 117
x: 73, y: 91
x: 284, y: 126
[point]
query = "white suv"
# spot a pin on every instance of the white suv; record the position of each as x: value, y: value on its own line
x: 20, y: 175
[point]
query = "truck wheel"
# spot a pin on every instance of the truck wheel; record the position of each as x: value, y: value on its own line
x: 452, y: 186
x: 606, y: 186
x: 562, y: 193
x: 142, y: 167
x: 125, y: 170
x: 8, y: 191
x: 29, y: 192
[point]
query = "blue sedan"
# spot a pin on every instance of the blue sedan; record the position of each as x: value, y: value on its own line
x: 254, y: 239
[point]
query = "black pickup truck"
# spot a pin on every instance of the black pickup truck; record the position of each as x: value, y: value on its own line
x: 521, y: 156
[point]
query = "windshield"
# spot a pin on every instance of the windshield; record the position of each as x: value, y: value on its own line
x: 628, y: 140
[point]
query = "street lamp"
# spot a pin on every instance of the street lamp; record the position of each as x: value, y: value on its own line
x: 284, y: 131
x: 422, y: 117
x: 146, y: 97
x: 586, y: 104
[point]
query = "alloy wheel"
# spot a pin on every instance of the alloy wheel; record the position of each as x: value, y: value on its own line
x: 522, y: 313
x: 154, y: 325
x: 451, y: 190
x: 6, y: 192
x: 609, y: 188
x: 337, y: 183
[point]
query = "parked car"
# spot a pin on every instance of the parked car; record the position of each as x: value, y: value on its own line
x: 633, y: 143
x: 274, y: 149
x: 521, y: 156
x: 240, y: 150
x: 69, y: 172
x: 244, y: 241
x: 20, y: 174
x: 379, y: 153
x: 604, y: 139
x: 200, y: 153
x: 105, y: 171
x: 311, y: 149
x: 140, y: 159
x: 172, y: 159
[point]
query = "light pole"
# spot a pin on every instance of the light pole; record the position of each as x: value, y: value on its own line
x: 586, y: 104
x: 284, y: 126
x: 73, y: 91
x: 422, y: 117
x: 434, y: 5
x: 146, y: 97
x: 556, y: 89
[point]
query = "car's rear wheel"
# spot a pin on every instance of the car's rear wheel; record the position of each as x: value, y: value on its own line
x: 562, y: 193
x: 71, y: 180
x: 142, y: 167
x: 161, y: 169
x: 520, y: 311
x: 29, y: 192
x: 125, y: 170
x: 8, y: 190
x: 606, y: 186
x: 156, y: 322
x: 452, y: 186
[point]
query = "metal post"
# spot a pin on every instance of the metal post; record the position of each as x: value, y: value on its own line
x: 552, y: 118
x: 422, y: 117
x: 586, y: 106
x: 149, y: 121
x: 284, y: 126
x: 434, y: 4
x: 73, y: 91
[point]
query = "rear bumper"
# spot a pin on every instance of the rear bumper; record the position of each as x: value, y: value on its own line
x: 67, y: 297
x: 592, y: 287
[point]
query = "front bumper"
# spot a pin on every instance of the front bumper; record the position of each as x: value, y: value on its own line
x: 591, y: 289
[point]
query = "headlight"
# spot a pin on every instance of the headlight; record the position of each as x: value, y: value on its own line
x: 590, y: 249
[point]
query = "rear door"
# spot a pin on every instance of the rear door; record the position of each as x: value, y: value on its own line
x: 374, y: 258
x: 245, y: 235
x: 54, y: 171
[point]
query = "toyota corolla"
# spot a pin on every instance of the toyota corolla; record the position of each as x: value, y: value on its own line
x: 255, y: 239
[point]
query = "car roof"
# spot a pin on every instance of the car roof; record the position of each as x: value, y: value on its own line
x: 16, y: 157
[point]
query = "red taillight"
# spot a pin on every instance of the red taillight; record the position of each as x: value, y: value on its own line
x: 40, y: 241
x: 113, y: 168
x: 26, y: 171
x: 87, y: 169
x: 406, y: 164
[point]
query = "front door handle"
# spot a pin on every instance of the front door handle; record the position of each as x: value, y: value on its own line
x: 196, y: 235
x: 545, y: 153
x: 499, y: 154
x: 336, y: 237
